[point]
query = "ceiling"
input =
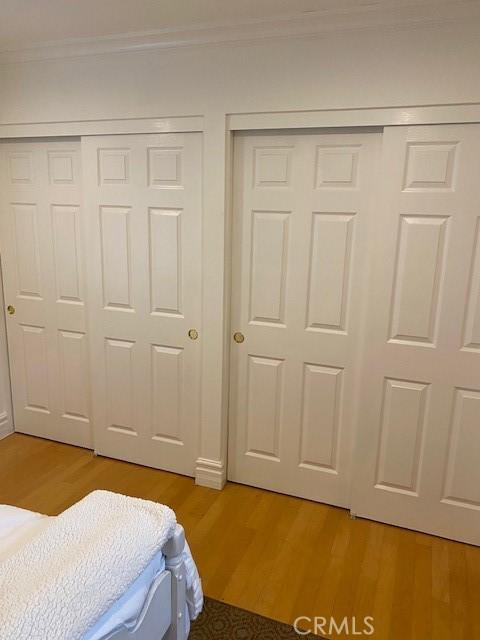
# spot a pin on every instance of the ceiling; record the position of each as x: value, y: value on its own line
x: 28, y: 23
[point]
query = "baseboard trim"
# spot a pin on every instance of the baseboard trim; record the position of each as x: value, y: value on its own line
x: 5, y: 425
x: 210, y: 473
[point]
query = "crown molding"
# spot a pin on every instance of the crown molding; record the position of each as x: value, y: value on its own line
x: 305, y: 24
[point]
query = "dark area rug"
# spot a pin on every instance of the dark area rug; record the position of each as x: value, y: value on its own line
x: 221, y: 621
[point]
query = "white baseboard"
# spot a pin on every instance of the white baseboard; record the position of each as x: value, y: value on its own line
x: 6, y: 427
x: 210, y: 473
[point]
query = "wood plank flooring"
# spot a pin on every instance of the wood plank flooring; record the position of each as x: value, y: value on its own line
x: 276, y: 555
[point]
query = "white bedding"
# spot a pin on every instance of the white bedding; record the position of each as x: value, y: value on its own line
x: 18, y: 526
x: 125, y: 612
x: 128, y: 607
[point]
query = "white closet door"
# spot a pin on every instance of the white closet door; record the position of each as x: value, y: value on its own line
x: 301, y: 205
x: 43, y: 281
x: 143, y: 197
x: 418, y: 454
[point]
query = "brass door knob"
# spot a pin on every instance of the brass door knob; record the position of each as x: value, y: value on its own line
x: 10, y: 309
x: 193, y: 334
x: 238, y: 337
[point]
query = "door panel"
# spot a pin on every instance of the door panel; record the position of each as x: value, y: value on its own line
x: 322, y: 388
x: 418, y: 443
x: 332, y: 235
x: 144, y: 233
x: 66, y: 240
x: 301, y: 204
x: 471, y: 334
x: 42, y: 256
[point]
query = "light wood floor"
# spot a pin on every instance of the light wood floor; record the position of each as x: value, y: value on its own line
x: 276, y: 555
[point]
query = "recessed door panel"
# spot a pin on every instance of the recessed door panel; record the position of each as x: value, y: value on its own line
x: 336, y: 166
x: 272, y: 166
x: 165, y: 167
x: 27, y: 250
x: 113, y: 166
x: 462, y: 482
x: 63, y: 167
x: 471, y: 335
x: 167, y: 391
x: 116, y: 257
x: 119, y: 358
x: 74, y: 368
x: 68, y: 270
x: 269, y: 266
x: 403, y: 419
x: 264, y: 406
x: 165, y: 261
x: 418, y: 278
x: 429, y: 165
x: 321, y: 417
x: 36, y: 368
x: 332, y: 237
x: 21, y: 169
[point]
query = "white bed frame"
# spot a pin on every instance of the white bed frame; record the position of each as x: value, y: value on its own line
x: 157, y: 620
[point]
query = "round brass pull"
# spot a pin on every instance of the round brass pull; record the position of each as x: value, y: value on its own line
x: 193, y: 334
x: 10, y: 309
x: 238, y: 337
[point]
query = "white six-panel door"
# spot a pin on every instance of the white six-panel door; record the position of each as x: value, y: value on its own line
x: 143, y: 209
x: 301, y: 207
x: 42, y: 265
x: 418, y: 450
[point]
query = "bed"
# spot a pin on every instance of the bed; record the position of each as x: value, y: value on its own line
x: 158, y: 604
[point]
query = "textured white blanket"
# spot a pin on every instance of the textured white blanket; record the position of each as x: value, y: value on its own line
x: 61, y: 582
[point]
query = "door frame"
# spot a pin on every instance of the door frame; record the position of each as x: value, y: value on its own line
x: 218, y: 129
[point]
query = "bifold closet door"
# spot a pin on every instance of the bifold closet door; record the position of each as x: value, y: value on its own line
x: 301, y: 208
x: 143, y: 206
x: 42, y: 262
x: 418, y: 448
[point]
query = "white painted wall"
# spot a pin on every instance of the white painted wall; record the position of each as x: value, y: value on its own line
x: 353, y: 69
x: 437, y: 64
x: 6, y: 414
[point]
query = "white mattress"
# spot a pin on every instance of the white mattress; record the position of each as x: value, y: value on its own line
x: 17, y: 526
